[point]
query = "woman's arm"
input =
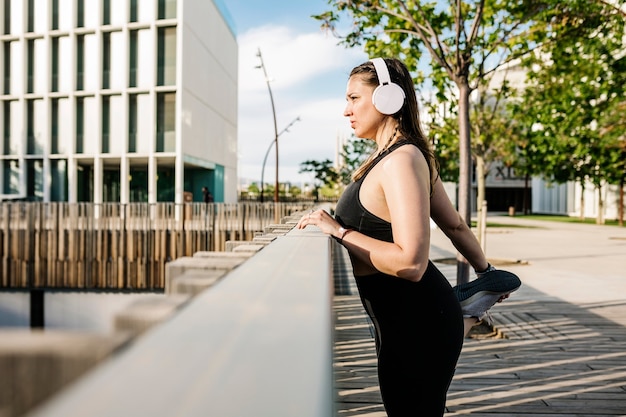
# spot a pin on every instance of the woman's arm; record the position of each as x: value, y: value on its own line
x: 397, y: 190
x: 452, y: 225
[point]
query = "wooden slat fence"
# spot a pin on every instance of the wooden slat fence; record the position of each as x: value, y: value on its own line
x: 118, y: 246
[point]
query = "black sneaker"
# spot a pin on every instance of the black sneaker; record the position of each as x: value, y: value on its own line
x: 478, y: 296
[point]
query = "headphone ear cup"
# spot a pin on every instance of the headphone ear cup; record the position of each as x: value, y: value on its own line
x: 388, y: 98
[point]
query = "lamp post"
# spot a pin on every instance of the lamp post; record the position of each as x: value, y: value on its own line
x: 268, y: 151
x: 267, y: 80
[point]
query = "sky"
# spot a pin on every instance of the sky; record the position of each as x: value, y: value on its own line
x: 308, y: 73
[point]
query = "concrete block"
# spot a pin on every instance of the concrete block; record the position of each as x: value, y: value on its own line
x: 222, y: 254
x: 232, y: 244
x: 34, y: 365
x: 264, y: 239
x: 179, y: 266
x: 250, y: 249
x: 277, y: 228
x: 145, y: 313
x: 192, y: 283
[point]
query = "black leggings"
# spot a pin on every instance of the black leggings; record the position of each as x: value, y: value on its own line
x: 419, y: 335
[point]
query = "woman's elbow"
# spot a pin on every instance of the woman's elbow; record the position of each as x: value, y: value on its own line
x: 413, y: 273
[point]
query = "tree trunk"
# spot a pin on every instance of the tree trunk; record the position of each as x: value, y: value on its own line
x: 600, y: 216
x: 480, y: 195
x: 465, y: 171
x: 582, y: 200
x: 620, y: 210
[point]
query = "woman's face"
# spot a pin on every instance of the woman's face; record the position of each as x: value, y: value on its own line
x: 364, y: 118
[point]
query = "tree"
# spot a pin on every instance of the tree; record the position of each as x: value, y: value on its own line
x: 572, y: 106
x: 353, y: 153
x: 466, y: 42
x: 325, y: 173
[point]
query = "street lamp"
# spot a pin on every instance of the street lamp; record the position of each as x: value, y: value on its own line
x: 268, y: 151
x: 267, y: 80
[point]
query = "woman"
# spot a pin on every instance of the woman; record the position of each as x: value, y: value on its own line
x: 383, y: 219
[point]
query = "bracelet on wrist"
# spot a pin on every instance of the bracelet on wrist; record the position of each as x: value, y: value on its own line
x: 342, y: 233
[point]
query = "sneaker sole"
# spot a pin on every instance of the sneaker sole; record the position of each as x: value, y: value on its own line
x: 493, y: 282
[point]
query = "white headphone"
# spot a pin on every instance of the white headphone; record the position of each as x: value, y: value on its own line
x: 388, y: 97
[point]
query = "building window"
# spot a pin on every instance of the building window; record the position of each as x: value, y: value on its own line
x: 140, y: 129
x: 54, y: 125
x: 31, y: 16
x: 80, y: 13
x: 11, y: 177
x: 58, y: 180
x: 106, y: 12
x: 106, y: 122
x: 80, y: 125
x: 7, y: 67
x: 132, y: 58
x: 6, y: 134
x: 7, y: 17
x: 138, y: 185
x: 61, y: 13
x: 166, y: 122
x: 106, y: 61
x: 133, y: 10
x: 30, y: 66
x: 80, y: 62
x: 55, y: 14
x: 167, y: 9
x: 34, y: 179
x: 166, y: 59
x: 12, y: 127
x: 132, y: 123
x: 34, y: 133
x: 60, y: 126
x: 54, y: 73
x: 111, y: 185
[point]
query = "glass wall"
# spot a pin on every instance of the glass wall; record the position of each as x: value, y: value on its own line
x: 90, y: 63
x: 11, y: 177
x: 15, y: 11
x: 138, y: 185
x: 113, y: 129
x: 166, y: 61
x: 139, y: 127
x: 37, y: 16
x: 58, y: 180
x: 66, y: 17
x: 65, y: 56
x: 12, y: 127
x: 91, y: 132
x: 166, y: 122
x: 145, y: 59
x: 17, y: 77
x: 111, y: 185
x: 167, y: 9
x: 60, y: 126
x: 35, y: 128
x: 118, y: 54
x: 34, y: 179
x: 39, y: 71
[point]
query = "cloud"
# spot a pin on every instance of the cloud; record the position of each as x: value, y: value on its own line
x: 308, y: 73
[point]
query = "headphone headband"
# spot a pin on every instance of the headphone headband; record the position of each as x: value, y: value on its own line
x: 382, y: 71
x: 388, y: 97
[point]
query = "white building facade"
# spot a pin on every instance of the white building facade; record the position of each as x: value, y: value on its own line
x: 118, y: 100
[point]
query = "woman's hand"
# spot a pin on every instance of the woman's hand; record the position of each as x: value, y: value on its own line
x: 321, y: 219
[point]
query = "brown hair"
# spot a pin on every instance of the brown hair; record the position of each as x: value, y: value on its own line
x: 409, y: 125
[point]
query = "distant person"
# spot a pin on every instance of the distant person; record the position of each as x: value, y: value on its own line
x: 383, y: 220
x: 208, y: 197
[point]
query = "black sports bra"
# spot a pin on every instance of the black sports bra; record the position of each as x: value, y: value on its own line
x: 351, y: 214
